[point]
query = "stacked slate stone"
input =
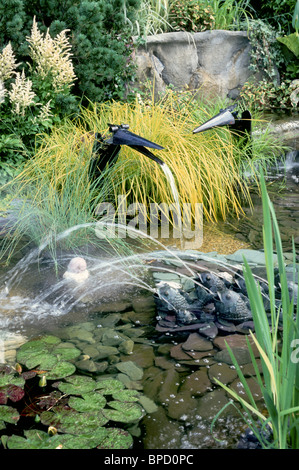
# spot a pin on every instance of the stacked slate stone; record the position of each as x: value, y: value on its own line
x: 217, y: 301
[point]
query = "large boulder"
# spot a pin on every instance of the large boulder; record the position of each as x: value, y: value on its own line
x: 214, y: 62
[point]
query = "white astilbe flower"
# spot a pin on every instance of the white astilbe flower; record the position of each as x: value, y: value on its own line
x: 21, y: 94
x: 52, y: 56
x: 45, y: 112
x: 7, y: 63
x: 2, y: 92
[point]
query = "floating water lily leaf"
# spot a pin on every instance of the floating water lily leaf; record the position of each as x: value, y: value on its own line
x: 12, y: 392
x: 43, y: 361
x: 34, y: 439
x: 37, y: 352
x: 9, y: 414
x: 116, y: 439
x: 66, y: 354
x: 11, y: 379
x: 126, y: 395
x: 51, y: 340
x: 109, y: 386
x: 61, y: 370
x: 85, y: 441
x: 91, y: 401
x: 77, y: 385
x: 123, y: 412
x: 72, y: 422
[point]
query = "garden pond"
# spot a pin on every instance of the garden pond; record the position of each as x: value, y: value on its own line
x: 152, y: 380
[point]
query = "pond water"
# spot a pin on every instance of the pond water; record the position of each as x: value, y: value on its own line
x: 117, y: 299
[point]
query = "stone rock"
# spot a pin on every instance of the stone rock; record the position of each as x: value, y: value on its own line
x: 252, y: 256
x: 77, y: 332
x: 111, y: 337
x: 148, y: 404
x: 152, y: 381
x: 91, y: 351
x: 87, y: 365
x: 142, y: 355
x: 216, y: 62
x: 197, y: 383
x: 163, y: 362
x: 108, y: 321
x: 106, y: 351
x: 222, y: 372
x: 114, y: 307
x: 130, y: 369
x: 126, y: 347
x: 170, y: 385
x: 235, y: 341
x: 195, y: 342
x: 143, y: 304
x: 160, y: 432
x: 130, y: 384
x: 181, y: 405
x: 242, y: 356
x: 211, y: 403
x: 209, y: 330
x: 177, y: 353
x: 238, y: 387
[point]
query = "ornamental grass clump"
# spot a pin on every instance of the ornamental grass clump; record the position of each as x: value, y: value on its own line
x: 279, y: 379
x: 57, y: 196
x: 191, y: 159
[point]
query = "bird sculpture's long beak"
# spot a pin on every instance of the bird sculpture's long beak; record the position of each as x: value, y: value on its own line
x: 122, y: 136
x: 224, y: 118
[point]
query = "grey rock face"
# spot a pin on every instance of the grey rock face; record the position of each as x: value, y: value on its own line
x: 216, y: 62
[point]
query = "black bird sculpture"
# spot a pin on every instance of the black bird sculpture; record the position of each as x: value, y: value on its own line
x: 240, y: 127
x: 105, y: 152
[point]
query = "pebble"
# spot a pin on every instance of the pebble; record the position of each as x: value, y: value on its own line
x: 196, y: 342
x: 197, y: 383
x: 131, y: 369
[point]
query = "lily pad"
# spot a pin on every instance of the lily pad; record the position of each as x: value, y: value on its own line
x: 126, y: 395
x: 9, y: 414
x: 91, y: 401
x: 123, y: 412
x: 67, y: 354
x: 77, y: 385
x: 12, y: 392
x: 34, y: 439
x: 45, y: 352
x: 61, y: 370
x: 43, y: 361
x: 72, y: 422
x: 11, y: 379
x: 85, y: 441
x: 109, y: 386
x: 116, y: 439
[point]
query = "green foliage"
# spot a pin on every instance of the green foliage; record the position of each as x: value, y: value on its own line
x: 295, y: 19
x: 100, y: 38
x: 276, y: 12
x: 266, y: 55
x: 279, y: 379
x: 152, y: 17
x: 74, y: 410
x: 229, y: 14
x: 190, y: 15
x: 266, y: 95
x: 31, y: 103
